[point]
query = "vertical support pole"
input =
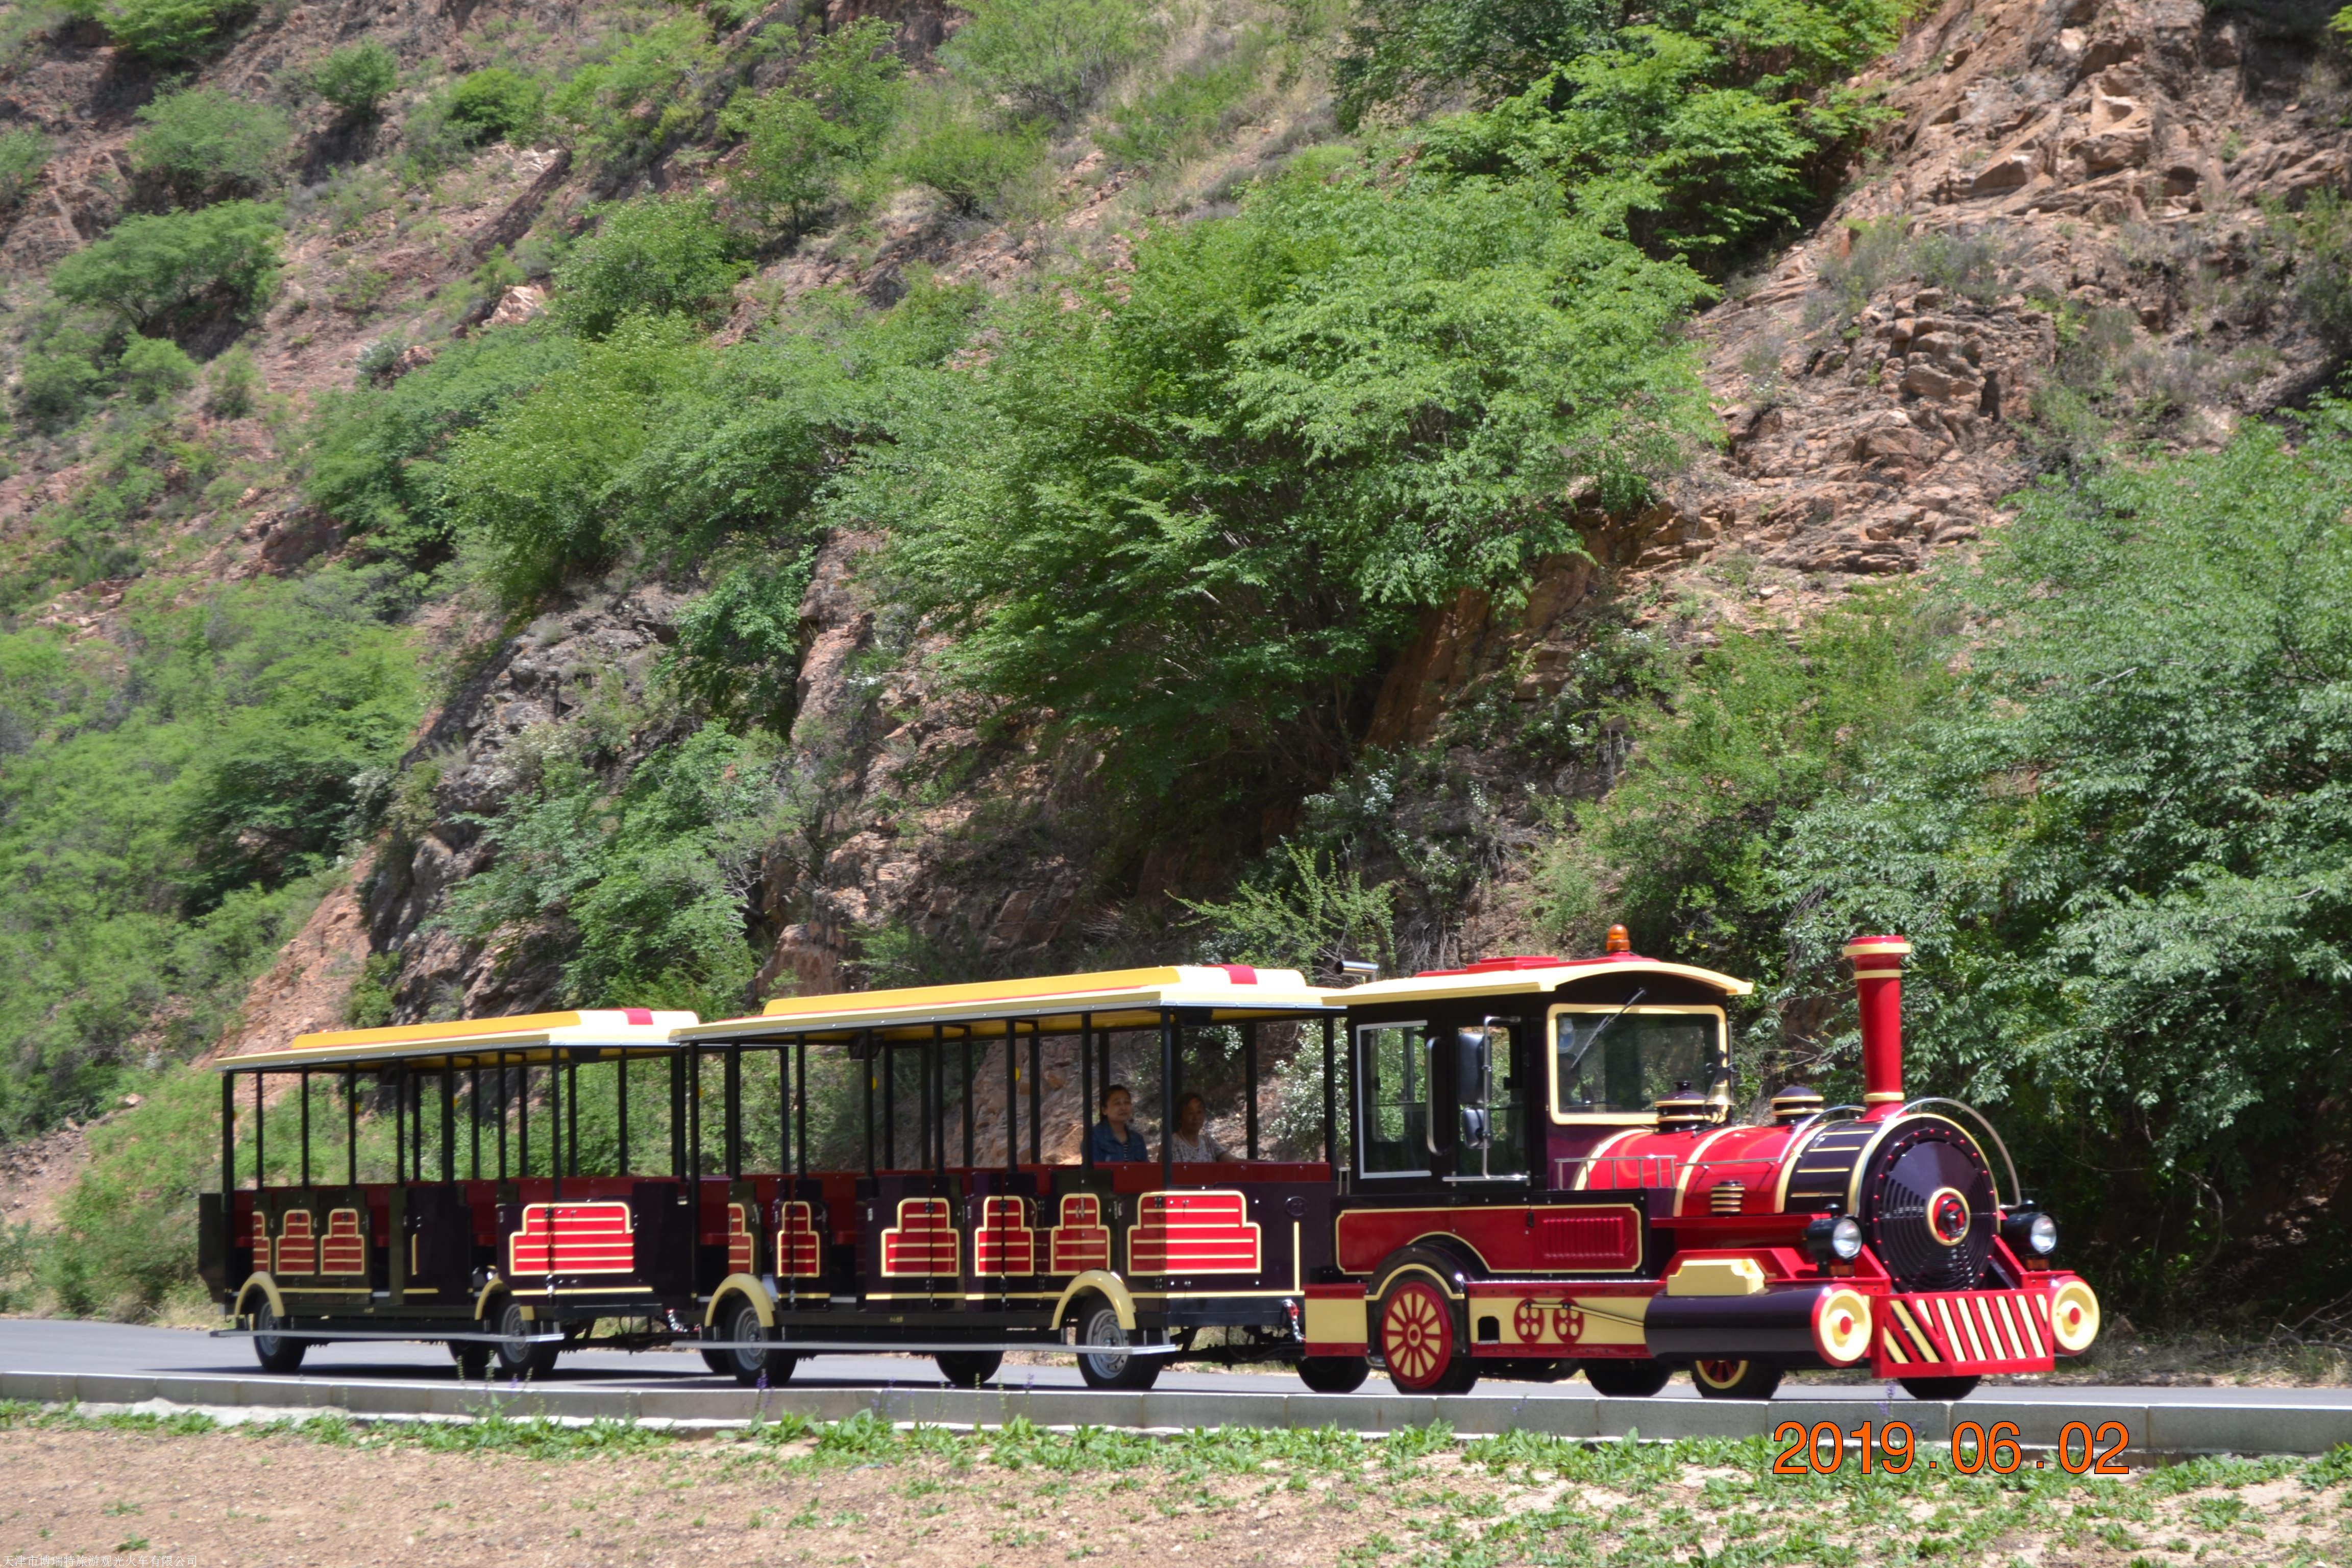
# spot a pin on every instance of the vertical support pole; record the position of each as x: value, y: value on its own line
x: 888, y: 1054
x: 351, y: 1129
x: 1331, y: 1109
x: 967, y: 1097
x: 505, y: 1093
x: 449, y: 1122
x: 261, y: 1128
x: 1249, y: 1082
x: 228, y: 1144
x: 522, y: 1118
x: 677, y: 1114
x: 731, y: 1084
x: 558, y: 1144
x: 784, y: 1109
x: 800, y: 1094
x: 1012, y: 1105
x: 1167, y: 1099
x: 474, y: 1121
x: 1087, y: 1090
x: 873, y: 1071
x: 621, y: 1108
x: 571, y: 1117
x: 935, y: 1154
x: 306, y: 1129
x: 694, y: 1130
x: 1036, y: 1090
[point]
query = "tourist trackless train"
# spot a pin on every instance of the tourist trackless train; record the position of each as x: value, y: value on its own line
x: 1529, y: 1166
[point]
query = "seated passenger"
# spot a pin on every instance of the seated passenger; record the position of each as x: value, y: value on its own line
x: 1192, y: 1142
x: 1114, y: 1138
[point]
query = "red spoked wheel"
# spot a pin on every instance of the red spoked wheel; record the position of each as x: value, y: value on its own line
x: 1419, y: 1343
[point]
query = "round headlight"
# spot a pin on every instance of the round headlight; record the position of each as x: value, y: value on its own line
x: 2042, y: 1235
x: 1845, y: 1238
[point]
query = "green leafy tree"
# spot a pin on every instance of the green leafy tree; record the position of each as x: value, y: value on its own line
x: 2113, y: 829
x: 377, y: 455
x: 1696, y: 130
x: 1399, y: 51
x: 639, y: 881
x: 1191, y: 513
x: 155, y: 367
x: 24, y: 154
x: 655, y: 255
x: 202, y: 144
x: 950, y: 148
x: 358, y: 78
x: 156, y: 271
x: 494, y: 104
x: 1047, y: 58
x: 824, y: 124
x: 162, y: 32
x: 641, y: 96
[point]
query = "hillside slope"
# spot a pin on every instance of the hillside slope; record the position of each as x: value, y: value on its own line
x: 2043, y: 228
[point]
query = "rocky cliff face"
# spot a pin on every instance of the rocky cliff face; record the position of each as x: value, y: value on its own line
x: 2066, y: 217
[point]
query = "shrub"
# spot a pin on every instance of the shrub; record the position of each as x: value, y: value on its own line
x: 640, y: 881
x: 1701, y: 133
x: 953, y: 152
x: 160, y: 270
x: 2322, y: 235
x: 494, y: 104
x: 202, y: 144
x: 358, y: 78
x: 231, y: 384
x: 827, y: 121
x: 62, y: 368
x: 739, y: 647
x: 1256, y: 458
x: 654, y: 255
x: 161, y: 32
x: 640, y: 96
x: 1047, y: 58
x: 376, y: 456
x: 24, y: 154
x: 1402, y: 50
x: 151, y: 368
x: 1174, y: 118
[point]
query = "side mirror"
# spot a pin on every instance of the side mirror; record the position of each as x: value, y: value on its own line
x: 1471, y: 1072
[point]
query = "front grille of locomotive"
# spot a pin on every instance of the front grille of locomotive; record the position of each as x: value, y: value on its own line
x: 1926, y: 1199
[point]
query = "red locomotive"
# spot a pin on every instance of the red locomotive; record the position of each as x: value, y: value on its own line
x: 1532, y: 1170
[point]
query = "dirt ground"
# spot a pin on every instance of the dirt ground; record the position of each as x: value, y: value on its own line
x: 126, y: 1488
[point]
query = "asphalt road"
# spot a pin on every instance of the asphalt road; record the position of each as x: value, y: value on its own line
x: 41, y: 1345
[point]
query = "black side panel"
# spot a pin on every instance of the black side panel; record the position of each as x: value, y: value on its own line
x: 440, y: 1244
x: 665, y: 1237
x: 212, y: 1243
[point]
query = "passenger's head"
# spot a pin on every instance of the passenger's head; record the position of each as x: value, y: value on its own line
x: 1191, y: 1111
x: 1117, y: 1105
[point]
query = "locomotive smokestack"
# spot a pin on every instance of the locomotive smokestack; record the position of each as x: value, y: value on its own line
x: 1879, y: 983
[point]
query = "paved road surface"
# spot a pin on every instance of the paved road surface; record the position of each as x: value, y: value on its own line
x: 40, y: 1345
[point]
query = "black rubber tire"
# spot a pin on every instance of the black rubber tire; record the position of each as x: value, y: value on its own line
x: 1735, y: 1379
x: 969, y: 1369
x: 1620, y: 1379
x: 747, y: 1367
x: 1334, y: 1374
x: 1937, y: 1390
x: 510, y: 1358
x: 473, y: 1359
x: 718, y: 1362
x: 1099, y: 1325
x: 274, y: 1353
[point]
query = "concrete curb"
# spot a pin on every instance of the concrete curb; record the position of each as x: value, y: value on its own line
x: 2152, y: 1428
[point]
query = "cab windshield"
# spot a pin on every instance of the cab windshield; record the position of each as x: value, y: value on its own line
x: 1610, y: 1062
